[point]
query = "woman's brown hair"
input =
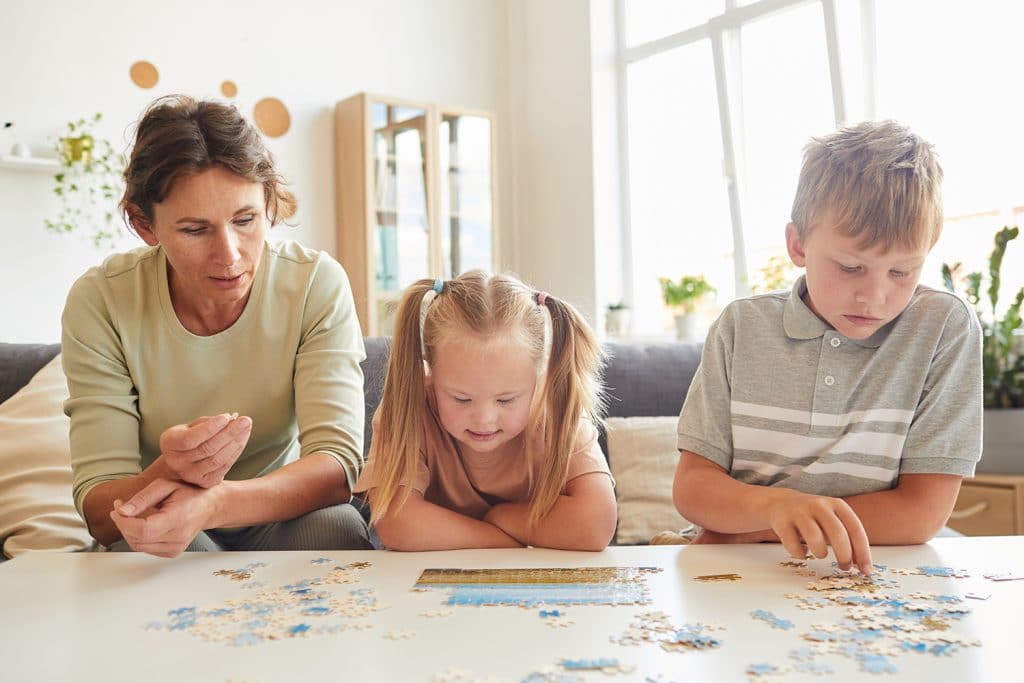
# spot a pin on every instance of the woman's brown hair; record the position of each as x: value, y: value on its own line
x: 179, y: 135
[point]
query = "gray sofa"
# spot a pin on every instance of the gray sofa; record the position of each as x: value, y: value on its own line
x: 643, y: 379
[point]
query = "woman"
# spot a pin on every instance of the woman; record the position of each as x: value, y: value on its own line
x: 215, y: 390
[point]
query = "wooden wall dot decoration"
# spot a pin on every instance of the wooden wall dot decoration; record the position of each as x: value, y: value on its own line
x: 228, y: 89
x: 144, y: 74
x: 272, y: 117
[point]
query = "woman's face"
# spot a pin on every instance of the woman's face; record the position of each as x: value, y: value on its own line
x: 212, y: 226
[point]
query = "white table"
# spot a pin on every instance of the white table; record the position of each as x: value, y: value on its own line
x: 89, y: 617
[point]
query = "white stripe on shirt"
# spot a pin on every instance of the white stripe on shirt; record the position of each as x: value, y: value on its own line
x: 853, y: 470
x: 767, y: 471
x: 798, y: 446
x: 822, y: 419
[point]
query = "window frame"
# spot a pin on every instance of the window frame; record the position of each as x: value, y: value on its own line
x: 723, y: 33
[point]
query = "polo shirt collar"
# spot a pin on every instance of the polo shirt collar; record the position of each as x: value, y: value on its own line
x: 800, y: 322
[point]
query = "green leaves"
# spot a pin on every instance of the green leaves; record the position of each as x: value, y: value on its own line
x: 88, y: 189
x: 1002, y: 350
x: 686, y: 292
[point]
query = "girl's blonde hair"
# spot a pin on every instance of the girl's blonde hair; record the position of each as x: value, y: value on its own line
x: 877, y: 180
x: 568, y: 359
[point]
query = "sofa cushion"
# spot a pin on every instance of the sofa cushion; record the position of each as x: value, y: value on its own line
x: 19, y: 362
x: 642, y: 455
x: 649, y: 379
x: 36, y: 510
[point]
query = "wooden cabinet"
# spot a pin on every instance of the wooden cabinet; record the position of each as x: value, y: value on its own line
x: 415, y: 197
x: 990, y: 505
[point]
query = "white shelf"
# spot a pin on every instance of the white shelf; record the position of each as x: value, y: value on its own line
x: 28, y: 163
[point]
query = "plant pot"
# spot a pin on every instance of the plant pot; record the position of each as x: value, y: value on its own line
x: 77, y: 149
x: 1003, y: 442
x: 616, y: 322
x: 686, y: 326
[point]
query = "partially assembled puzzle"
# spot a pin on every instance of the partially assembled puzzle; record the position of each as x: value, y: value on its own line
x: 866, y: 619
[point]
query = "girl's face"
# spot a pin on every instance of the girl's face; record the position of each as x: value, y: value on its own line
x: 484, y: 388
x: 212, y: 226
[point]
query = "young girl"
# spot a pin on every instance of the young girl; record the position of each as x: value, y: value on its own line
x: 485, y: 436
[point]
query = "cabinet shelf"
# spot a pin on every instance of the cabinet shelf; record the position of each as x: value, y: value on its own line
x: 400, y: 187
x: 29, y: 163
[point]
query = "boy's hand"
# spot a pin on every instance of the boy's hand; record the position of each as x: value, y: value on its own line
x: 807, y: 523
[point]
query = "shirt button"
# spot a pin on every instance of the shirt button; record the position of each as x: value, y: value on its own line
x: 830, y: 380
x: 835, y: 342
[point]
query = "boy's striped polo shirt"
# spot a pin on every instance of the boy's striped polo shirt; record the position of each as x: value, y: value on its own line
x: 782, y: 399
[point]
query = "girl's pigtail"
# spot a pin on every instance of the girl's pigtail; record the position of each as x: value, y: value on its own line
x: 398, y: 438
x: 572, y: 391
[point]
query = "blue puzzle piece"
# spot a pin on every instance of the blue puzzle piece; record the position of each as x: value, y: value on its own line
x: 816, y: 668
x: 762, y: 669
x: 247, y: 638
x: 942, y: 649
x: 586, y: 664
x: 771, y: 619
x: 877, y: 664
x: 541, y: 677
x: 941, y: 571
x: 317, y: 610
x: 865, y: 635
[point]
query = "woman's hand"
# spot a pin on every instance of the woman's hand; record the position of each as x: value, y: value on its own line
x: 163, y: 518
x: 203, y: 451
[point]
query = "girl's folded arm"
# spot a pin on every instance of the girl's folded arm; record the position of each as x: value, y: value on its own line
x: 582, y: 518
x: 421, y: 525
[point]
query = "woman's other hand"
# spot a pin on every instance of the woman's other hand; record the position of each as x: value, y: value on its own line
x: 163, y: 518
x: 202, y: 451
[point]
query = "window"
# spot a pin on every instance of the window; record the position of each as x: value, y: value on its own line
x: 674, y: 143
x: 968, y: 103
x: 722, y: 95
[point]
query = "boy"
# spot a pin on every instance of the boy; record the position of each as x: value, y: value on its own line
x: 846, y: 411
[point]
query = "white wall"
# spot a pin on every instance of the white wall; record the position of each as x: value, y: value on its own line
x: 70, y: 58
x: 549, y: 66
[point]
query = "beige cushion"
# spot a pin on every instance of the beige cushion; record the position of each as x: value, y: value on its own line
x: 643, y: 456
x: 36, y: 510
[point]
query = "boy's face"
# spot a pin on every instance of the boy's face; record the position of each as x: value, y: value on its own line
x: 855, y: 290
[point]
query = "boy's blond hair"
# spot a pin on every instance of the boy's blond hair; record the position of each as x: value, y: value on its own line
x: 876, y: 181
x: 567, y: 357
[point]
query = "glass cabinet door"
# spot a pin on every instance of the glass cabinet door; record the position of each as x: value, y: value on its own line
x: 466, y: 204
x: 401, y: 212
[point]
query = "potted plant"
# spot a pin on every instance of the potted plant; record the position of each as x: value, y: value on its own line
x: 683, y: 297
x: 1002, y: 360
x: 616, y: 321
x: 777, y: 273
x: 88, y: 184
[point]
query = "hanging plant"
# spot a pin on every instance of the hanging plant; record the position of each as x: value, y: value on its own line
x: 89, y: 184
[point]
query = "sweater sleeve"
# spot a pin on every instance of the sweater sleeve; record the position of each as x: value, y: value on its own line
x: 329, y: 403
x: 103, y: 401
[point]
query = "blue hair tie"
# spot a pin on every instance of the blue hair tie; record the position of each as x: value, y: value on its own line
x: 438, y: 285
